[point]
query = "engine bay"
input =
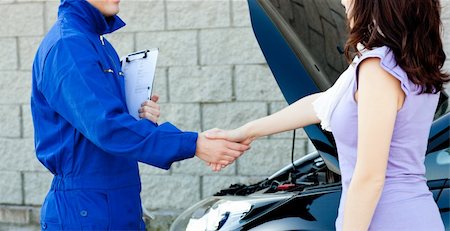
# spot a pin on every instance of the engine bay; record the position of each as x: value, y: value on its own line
x: 306, y: 176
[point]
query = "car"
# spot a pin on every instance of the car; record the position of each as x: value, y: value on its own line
x: 302, y: 41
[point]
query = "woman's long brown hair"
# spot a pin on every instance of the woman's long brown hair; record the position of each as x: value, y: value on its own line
x: 410, y: 28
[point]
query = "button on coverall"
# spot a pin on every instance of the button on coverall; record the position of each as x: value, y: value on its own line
x: 84, y: 134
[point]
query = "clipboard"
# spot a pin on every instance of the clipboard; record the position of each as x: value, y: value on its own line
x: 139, y: 73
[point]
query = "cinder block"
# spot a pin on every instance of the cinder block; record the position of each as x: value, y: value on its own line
x: 213, y: 184
x: 27, y: 50
x: 8, y: 50
x: 268, y: 156
x: 27, y: 122
x: 51, y: 13
x: 22, y: 19
x: 310, y: 147
x: 447, y: 69
x: 19, y: 227
x: 196, y: 166
x: 176, y: 47
x: 229, y: 46
x: 37, y: 185
x: 15, y: 87
x: 231, y: 115
x: 170, y: 192
x: 299, y: 134
x: 447, y: 89
x: 145, y: 169
x: 35, y: 215
x: 446, y: 36
x: 200, y: 84
x: 15, y: 227
x: 256, y: 82
x: 19, y: 215
x: 142, y: 15
x: 10, y: 121
x: 198, y: 14
x: 11, y: 185
x: 18, y: 155
x: 160, y: 85
x: 277, y: 106
x: 163, y: 220
x: 122, y: 42
x: 445, y: 13
x: 241, y: 14
x: 184, y: 116
x: 447, y: 66
x: 7, y: 2
x: 138, y: 15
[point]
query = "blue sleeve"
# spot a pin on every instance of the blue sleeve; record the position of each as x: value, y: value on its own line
x: 76, y: 87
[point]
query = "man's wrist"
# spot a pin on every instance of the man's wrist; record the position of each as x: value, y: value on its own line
x: 189, y: 144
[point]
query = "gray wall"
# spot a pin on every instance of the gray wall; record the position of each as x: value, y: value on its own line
x: 211, y: 74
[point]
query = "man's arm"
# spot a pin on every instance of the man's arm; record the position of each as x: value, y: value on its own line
x: 76, y: 87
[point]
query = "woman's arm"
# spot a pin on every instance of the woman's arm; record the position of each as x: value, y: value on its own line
x: 296, y: 115
x: 380, y: 97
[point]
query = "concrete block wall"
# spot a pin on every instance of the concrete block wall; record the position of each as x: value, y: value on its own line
x: 446, y: 35
x: 211, y: 73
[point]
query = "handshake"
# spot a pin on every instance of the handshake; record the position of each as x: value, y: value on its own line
x: 220, y: 148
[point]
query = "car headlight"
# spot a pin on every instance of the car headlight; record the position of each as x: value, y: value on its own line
x: 210, y: 214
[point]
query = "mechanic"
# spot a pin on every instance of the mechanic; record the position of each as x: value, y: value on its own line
x: 84, y: 134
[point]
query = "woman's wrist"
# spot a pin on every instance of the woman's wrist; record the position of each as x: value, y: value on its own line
x: 250, y: 130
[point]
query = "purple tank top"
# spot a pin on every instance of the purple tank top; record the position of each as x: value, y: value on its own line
x: 406, y: 202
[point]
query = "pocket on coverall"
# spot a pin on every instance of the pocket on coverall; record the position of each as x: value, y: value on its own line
x: 50, y: 218
x: 93, y: 209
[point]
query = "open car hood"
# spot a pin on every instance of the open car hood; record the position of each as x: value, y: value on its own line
x: 302, y: 41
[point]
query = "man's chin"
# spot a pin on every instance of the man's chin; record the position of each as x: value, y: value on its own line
x: 112, y: 12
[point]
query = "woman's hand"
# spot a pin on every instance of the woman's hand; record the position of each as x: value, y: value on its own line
x: 218, y: 151
x: 150, y: 109
x: 240, y: 135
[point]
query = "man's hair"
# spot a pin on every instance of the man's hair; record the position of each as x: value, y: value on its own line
x: 410, y: 28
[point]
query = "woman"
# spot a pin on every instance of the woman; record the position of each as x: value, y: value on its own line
x: 380, y: 112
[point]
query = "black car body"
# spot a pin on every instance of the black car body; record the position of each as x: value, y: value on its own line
x: 302, y: 42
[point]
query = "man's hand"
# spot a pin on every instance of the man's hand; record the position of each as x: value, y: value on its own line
x: 240, y: 135
x: 150, y: 109
x: 218, y: 151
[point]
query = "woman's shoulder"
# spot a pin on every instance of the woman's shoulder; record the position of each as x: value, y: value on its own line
x: 385, y: 54
x: 388, y: 63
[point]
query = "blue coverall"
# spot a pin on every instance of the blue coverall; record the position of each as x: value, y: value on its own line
x: 83, y: 132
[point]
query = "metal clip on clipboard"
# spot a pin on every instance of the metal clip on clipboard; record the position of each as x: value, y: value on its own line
x: 139, y: 71
x: 127, y: 59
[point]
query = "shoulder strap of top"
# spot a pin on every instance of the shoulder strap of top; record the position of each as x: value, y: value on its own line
x: 389, y: 64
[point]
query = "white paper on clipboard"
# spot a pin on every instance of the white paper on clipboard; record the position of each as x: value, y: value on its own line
x: 139, y: 72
